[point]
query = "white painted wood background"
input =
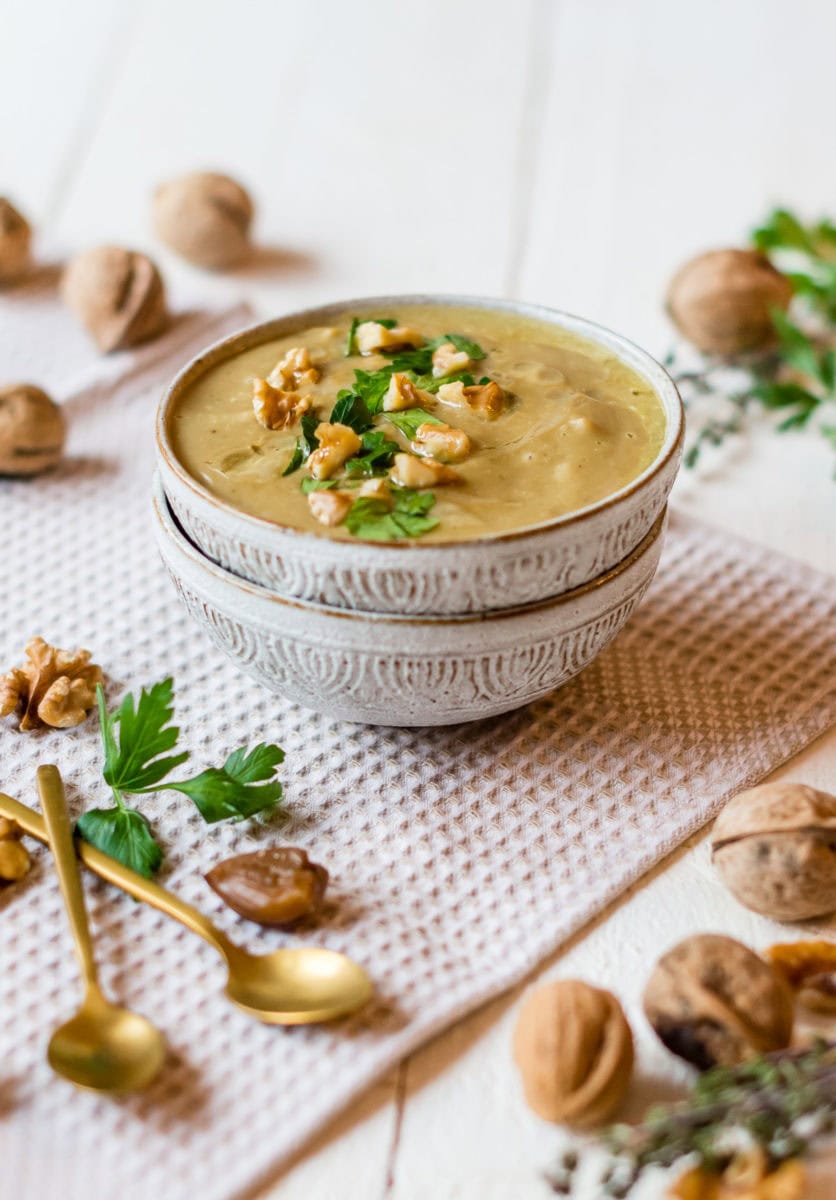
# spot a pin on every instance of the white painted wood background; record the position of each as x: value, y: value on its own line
x: 565, y: 151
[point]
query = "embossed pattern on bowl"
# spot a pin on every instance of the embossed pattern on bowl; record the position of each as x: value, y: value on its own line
x: 384, y: 669
x: 445, y: 579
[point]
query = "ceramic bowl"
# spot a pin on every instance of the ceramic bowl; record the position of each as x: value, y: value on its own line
x: 383, y: 669
x: 492, y: 572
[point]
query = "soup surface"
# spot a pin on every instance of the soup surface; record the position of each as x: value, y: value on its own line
x: 442, y: 423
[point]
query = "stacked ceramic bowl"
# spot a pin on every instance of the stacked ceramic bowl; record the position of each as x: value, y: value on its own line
x: 412, y: 634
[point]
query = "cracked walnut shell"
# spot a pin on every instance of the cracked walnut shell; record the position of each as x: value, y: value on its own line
x: 15, y: 243
x: 32, y: 430
x: 774, y: 847
x: 712, y: 1000
x: 117, y: 295
x: 55, y: 688
x: 574, y: 1049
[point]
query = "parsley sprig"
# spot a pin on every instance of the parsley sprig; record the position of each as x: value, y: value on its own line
x: 137, y: 739
x: 782, y: 1103
x: 379, y: 521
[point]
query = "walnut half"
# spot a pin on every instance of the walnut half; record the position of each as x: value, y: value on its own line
x: 55, y: 687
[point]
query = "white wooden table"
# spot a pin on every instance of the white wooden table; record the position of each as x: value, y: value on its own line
x: 564, y: 151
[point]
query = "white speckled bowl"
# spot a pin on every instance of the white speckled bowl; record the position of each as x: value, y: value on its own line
x: 493, y: 572
x: 393, y: 670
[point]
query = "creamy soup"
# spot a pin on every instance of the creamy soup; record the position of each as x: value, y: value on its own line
x: 432, y: 423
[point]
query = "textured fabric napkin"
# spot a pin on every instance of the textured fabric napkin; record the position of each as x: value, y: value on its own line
x: 459, y: 858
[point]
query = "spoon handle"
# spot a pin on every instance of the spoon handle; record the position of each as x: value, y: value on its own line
x: 129, y: 881
x: 54, y: 805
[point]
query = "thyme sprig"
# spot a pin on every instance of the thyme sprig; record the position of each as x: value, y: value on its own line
x: 781, y: 1103
x: 798, y: 380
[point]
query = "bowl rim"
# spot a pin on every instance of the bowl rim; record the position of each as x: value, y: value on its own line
x: 264, y: 331
x: 172, y: 531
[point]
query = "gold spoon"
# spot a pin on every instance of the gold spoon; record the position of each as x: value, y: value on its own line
x: 103, y: 1047
x: 288, y: 987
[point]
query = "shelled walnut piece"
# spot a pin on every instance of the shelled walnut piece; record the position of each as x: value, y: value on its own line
x: 774, y: 847
x: 810, y: 970
x: 329, y: 508
x: 574, y: 1050
x: 275, y: 408
x: 14, y: 857
x: 746, y: 1182
x: 712, y: 1000
x: 277, y: 886
x: 117, y: 295
x: 55, y: 688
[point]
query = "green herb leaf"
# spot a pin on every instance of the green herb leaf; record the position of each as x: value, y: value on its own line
x: 351, y: 340
x: 351, y: 410
x: 471, y: 349
x: 429, y: 383
x: 796, y: 348
x: 306, y: 443
x: 123, y: 834
x: 372, y: 386
x: 318, y: 485
x: 229, y: 791
x: 410, y: 419
x: 374, y: 520
x: 379, y: 451
x: 419, y: 360
x: 145, y: 733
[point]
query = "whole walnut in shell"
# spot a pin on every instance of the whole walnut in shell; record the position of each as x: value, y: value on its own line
x: 32, y: 430
x: 722, y: 301
x: 712, y: 1000
x: 15, y: 243
x: 574, y: 1049
x: 118, y: 296
x: 205, y: 217
x: 774, y: 847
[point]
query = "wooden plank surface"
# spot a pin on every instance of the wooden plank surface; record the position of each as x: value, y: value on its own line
x: 566, y: 151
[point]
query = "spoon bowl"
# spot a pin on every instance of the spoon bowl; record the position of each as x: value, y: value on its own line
x: 105, y: 1048
x: 296, y: 986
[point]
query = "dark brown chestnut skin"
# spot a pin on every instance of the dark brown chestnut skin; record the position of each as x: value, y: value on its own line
x: 277, y: 886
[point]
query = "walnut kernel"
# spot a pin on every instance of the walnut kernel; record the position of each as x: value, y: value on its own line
x: 32, y: 430
x: 329, y: 508
x: 412, y: 472
x: 337, y: 443
x: 574, y: 1049
x: 205, y: 217
x: 712, y: 1000
x: 810, y: 970
x: 441, y: 442
x: 15, y: 243
x: 14, y: 860
x: 275, y: 408
x: 55, y: 688
x: 774, y: 847
x: 117, y: 295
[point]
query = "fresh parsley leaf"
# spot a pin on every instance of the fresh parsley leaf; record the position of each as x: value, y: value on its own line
x: 409, y: 420
x: 788, y: 395
x: 124, y: 834
x: 485, y: 379
x: 379, y: 451
x: 471, y: 349
x: 306, y: 443
x: 351, y: 410
x: 230, y: 791
x: 420, y: 360
x: 373, y: 519
x: 351, y: 340
x: 318, y: 485
x: 429, y: 383
x: 136, y: 739
x: 372, y: 386
x: 796, y: 348
x: 145, y: 733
